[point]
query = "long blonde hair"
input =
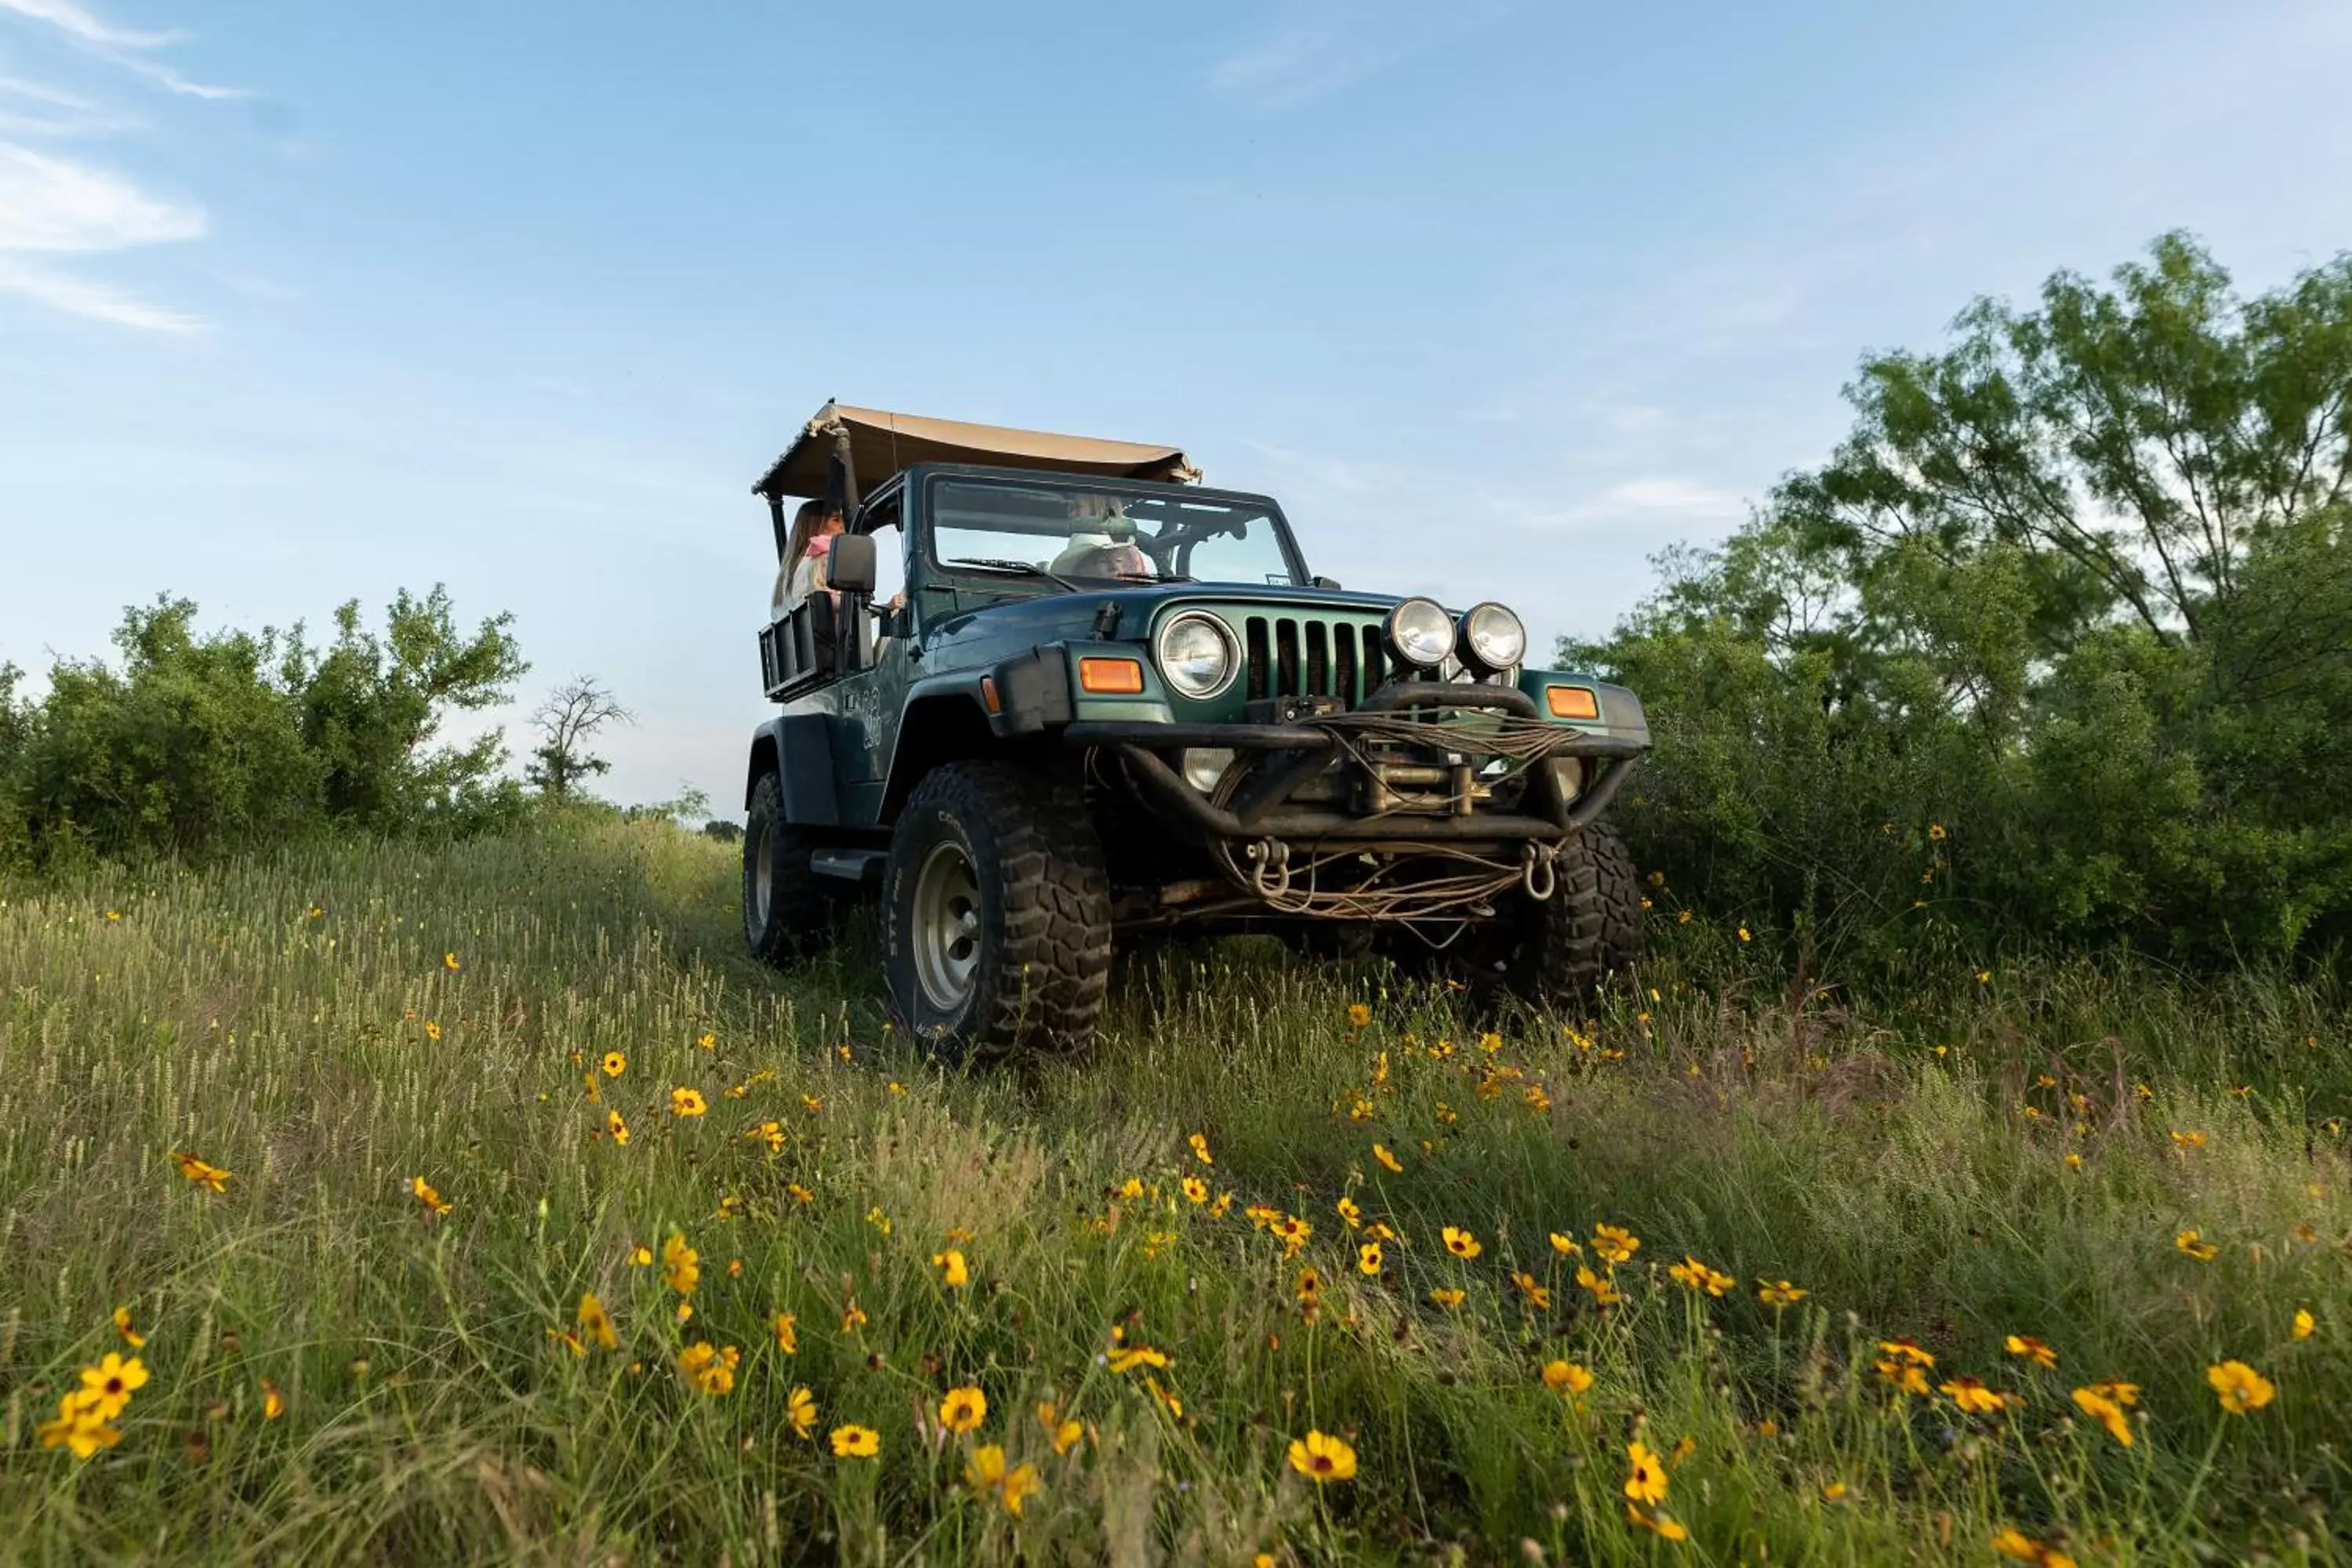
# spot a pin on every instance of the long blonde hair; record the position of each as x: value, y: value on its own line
x: 805, y: 522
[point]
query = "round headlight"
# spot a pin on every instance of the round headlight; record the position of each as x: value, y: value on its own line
x: 1420, y: 632
x: 1196, y: 655
x: 1493, y: 638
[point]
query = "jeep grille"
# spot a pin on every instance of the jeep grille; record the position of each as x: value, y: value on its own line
x: 1293, y: 656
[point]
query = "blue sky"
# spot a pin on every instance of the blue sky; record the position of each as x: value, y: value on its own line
x: 298, y: 303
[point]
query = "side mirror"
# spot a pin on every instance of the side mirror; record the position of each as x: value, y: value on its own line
x: 1327, y: 581
x: 849, y: 564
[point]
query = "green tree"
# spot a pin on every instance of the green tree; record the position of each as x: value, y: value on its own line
x: 2073, y: 591
x: 200, y: 744
x: 191, y: 745
x: 371, y: 708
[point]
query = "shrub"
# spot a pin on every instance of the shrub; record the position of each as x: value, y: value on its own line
x: 2057, y: 645
x: 199, y: 745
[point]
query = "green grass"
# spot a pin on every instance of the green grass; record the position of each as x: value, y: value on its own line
x: 430, y: 1415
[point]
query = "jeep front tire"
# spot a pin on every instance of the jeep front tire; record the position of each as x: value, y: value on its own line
x: 996, y: 914
x: 784, y: 915
x: 1589, y: 929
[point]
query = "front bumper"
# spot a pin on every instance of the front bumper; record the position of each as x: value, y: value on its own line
x: 1291, y: 754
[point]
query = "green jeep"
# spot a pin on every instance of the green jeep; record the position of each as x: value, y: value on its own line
x: 1057, y: 692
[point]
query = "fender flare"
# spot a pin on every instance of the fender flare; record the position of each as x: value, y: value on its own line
x: 798, y: 748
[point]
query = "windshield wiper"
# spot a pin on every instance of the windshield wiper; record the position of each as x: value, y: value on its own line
x: 1151, y: 577
x: 1025, y: 568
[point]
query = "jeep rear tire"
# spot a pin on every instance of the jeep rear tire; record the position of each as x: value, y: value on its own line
x: 1589, y: 929
x: 784, y: 915
x: 996, y: 914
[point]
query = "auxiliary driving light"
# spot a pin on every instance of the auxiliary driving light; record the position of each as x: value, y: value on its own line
x: 1493, y: 640
x: 1204, y: 765
x: 1421, y: 633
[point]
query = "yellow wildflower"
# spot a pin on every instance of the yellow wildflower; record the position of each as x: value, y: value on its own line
x: 78, y: 1427
x: 107, y: 1387
x: 201, y: 1173
x: 1645, y: 1479
x: 2015, y: 1543
x: 1972, y: 1396
x: 1603, y: 1289
x: 1697, y: 1276
x: 854, y: 1442
x: 2032, y: 1350
x: 1566, y: 1377
x: 2238, y: 1387
x: 2107, y: 1412
x: 1615, y: 1243
x: 1320, y: 1457
x: 595, y: 1323
x: 1127, y: 1358
x: 681, y: 1265
x: 963, y: 1409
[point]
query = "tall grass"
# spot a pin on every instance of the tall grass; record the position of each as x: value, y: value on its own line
x: 1902, y: 1159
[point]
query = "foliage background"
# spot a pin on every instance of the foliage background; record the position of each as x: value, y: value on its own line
x: 201, y: 745
x: 2056, y: 647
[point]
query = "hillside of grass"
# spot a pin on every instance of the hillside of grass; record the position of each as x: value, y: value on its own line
x: 1303, y: 1263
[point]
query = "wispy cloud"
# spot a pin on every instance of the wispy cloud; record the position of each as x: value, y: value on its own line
x: 1317, y: 48
x: 127, y: 47
x: 56, y: 206
x: 1675, y: 501
x: 31, y: 109
x: 17, y: 86
x: 96, y: 301
x: 77, y: 20
x: 53, y: 206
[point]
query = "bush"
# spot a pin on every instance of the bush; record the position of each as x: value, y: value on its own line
x: 2058, y: 646
x: 201, y: 745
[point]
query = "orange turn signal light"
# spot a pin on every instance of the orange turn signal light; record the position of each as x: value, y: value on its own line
x: 1572, y: 703
x: 1122, y: 677
x: 988, y: 697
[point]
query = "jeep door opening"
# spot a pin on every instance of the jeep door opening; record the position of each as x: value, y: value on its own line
x: 1104, y: 700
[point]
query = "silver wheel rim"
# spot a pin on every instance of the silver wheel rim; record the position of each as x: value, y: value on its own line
x: 763, y: 874
x: 946, y: 927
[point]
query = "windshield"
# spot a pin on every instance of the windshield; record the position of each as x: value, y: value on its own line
x: 1090, y: 535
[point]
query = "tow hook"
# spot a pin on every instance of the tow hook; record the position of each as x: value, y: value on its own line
x: 1270, y: 874
x: 1536, y: 869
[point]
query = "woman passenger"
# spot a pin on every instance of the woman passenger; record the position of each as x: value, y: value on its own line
x: 802, y: 570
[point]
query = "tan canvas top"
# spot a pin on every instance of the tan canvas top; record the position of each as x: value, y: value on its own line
x: 881, y: 443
